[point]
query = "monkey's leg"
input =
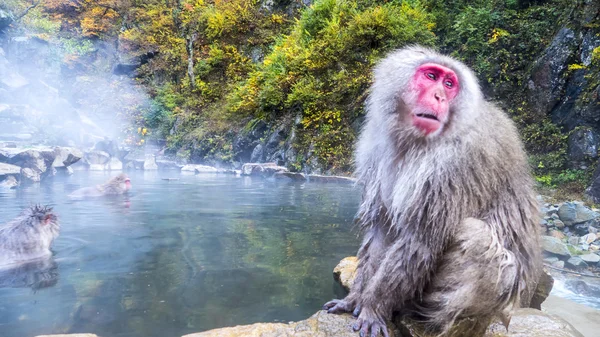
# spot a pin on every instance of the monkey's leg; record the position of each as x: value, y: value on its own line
x: 369, y: 253
x: 477, y: 278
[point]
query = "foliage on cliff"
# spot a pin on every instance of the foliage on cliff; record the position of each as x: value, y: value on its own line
x: 218, y: 68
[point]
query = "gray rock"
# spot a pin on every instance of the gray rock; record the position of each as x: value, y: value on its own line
x: 559, y: 224
x: 65, y: 170
x: 581, y: 229
x: 590, y: 258
x: 574, y: 240
x: 167, y: 165
x: 583, y: 147
x: 9, y: 182
x: 559, y: 264
x: 291, y: 176
x: 576, y: 262
x: 113, y: 164
x: 258, y: 154
x: 316, y: 178
x: 554, y: 246
x: 588, y: 238
x: 261, y: 170
x: 66, y: 156
x: 150, y: 163
x: 8, y: 169
x: 5, y: 19
x: 544, y: 223
x: 30, y: 175
x: 97, y: 158
x: 572, y: 213
x: 551, y: 260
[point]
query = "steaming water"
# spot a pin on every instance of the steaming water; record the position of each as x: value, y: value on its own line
x: 182, y: 256
x: 580, y: 289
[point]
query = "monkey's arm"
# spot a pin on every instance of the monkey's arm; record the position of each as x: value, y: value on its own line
x: 402, y: 274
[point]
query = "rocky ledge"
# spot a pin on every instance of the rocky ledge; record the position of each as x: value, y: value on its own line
x: 526, y: 322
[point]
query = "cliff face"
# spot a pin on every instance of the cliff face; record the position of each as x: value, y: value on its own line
x: 285, y: 81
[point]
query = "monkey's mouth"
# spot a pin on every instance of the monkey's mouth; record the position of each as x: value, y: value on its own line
x: 427, y: 116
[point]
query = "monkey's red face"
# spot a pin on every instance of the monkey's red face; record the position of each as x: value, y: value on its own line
x: 433, y: 87
x: 127, y: 184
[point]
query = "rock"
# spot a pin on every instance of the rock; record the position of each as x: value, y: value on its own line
x: 261, y: 170
x: 315, y: 178
x: 5, y: 19
x: 293, y: 176
x: 199, y: 169
x: 557, y: 234
x: 345, y: 271
x: 588, y: 238
x: 554, y: 246
x: 168, y: 165
x: 113, y: 164
x: 9, y: 182
x: 576, y: 263
x: 29, y: 174
x: 574, y: 240
x: 559, y: 264
x: 33, y: 159
x: 65, y: 170
x: 544, y: 223
x: 551, y: 260
x: 66, y: 156
x: 590, y: 258
x: 594, y: 248
x: 258, y: 154
x: 559, y: 224
x: 70, y: 335
x: 581, y: 229
x: 150, y: 163
x: 97, y: 158
x: 547, y: 80
x: 107, y: 146
x: 528, y: 322
x: 542, y: 290
x: 583, y: 147
x: 572, y: 213
x: 8, y: 170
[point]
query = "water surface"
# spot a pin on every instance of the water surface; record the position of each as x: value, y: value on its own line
x: 181, y: 256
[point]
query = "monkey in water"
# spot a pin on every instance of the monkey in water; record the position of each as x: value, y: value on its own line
x: 120, y: 184
x: 448, y: 212
x: 28, y: 237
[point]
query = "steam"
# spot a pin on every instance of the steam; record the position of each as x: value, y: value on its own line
x: 64, y: 92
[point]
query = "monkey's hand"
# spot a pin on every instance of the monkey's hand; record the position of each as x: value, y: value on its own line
x: 367, y: 321
x: 338, y: 306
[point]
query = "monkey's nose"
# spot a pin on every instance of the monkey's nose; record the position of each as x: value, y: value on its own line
x: 439, y: 96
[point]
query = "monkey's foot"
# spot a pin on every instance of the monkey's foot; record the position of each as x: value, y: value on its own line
x: 338, y: 306
x: 370, y: 322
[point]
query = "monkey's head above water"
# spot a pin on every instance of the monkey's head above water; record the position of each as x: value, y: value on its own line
x: 41, y: 218
x: 120, y: 182
x: 423, y: 93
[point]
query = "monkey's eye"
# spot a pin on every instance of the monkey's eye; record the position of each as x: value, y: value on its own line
x: 448, y: 83
x: 431, y: 76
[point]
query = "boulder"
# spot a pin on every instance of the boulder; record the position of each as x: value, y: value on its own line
x: 572, y: 213
x: 5, y: 19
x: 33, y: 159
x: 315, y: 178
x: 542, y: 290
x: 114, y: 164
x: 197, y: 169
x: 583, y: 147
x: 576, y: 263
x: 588, y: 238
x: 30, y: 175
x: 9, y: 182
x: 8, y: 170
x: 66, y: 156
x: 262, y: 170
x: 168, y: 165
x: 290, y: 176
x: 590, y: 258
x: 555, y: 246
x: 150, y: 163
x: 345, y: 271
x: 97, y: 158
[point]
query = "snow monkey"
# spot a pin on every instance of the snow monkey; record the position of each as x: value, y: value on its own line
x: 448, y: 210
x: 120, y: 184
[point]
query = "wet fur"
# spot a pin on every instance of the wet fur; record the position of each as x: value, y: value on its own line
x: 115, y: 186
x: 25, y: 238
x: 428, y: 200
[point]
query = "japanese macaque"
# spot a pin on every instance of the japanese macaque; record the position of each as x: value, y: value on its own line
x: 448, y: 210
x: 28, y: 237
x: 115, y: 186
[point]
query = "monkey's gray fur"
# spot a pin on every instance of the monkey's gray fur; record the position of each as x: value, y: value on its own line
x: 28, y: 236
x: 450, y: 219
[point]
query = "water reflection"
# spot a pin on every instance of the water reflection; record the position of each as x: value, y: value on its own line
x: 187, y: 255
x: 35, y: 275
